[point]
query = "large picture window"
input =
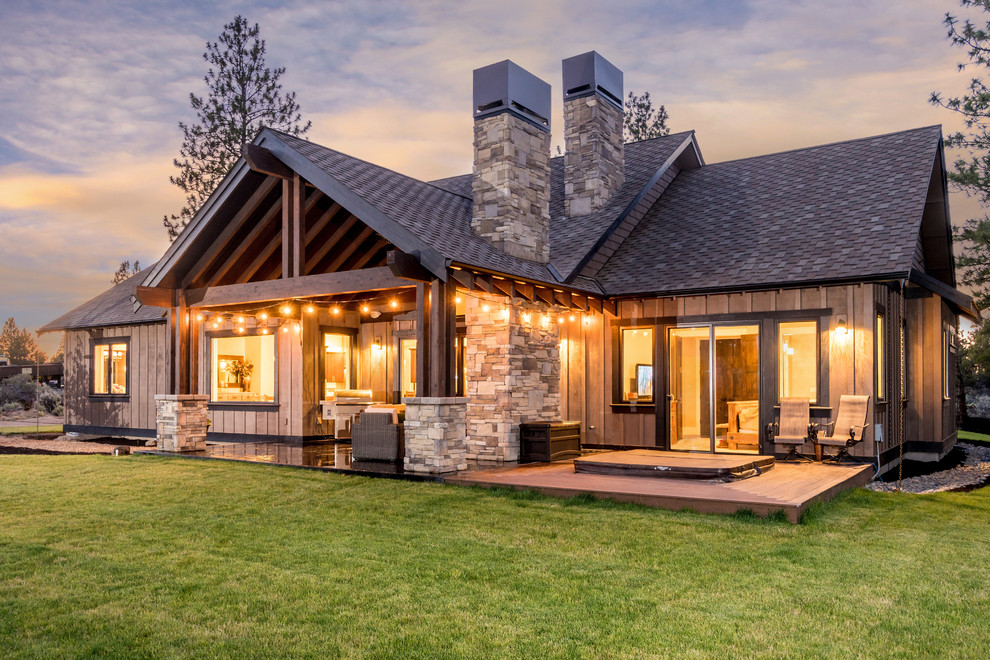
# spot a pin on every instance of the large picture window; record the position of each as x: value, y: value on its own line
x: 797, y: 356
x: 636, y: 364
x: 243, y: 369
x: 110, y: 367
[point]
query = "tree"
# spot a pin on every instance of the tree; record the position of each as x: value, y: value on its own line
x: 59, y: 356
x: 19, y: 345
x: 971, y: 171
x: 124, y: 271
x: 642, y: 121
x: 244, y: 95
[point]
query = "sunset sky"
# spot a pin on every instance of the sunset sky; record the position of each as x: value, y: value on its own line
x: 91, y: 93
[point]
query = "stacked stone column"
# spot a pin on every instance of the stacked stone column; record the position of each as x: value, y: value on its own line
x: 513, y: 374
x: 435, y: 429
x: 182, y: 421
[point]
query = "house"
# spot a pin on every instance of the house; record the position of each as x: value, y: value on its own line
x: 660, y: 300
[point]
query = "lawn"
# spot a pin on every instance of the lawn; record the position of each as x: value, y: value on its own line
x: 28, y: 430
x: 146, y: 556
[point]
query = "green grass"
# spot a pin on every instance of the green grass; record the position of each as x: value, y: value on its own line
x: 976, y: 438
x: 144, y: 556
x: 26, y: 430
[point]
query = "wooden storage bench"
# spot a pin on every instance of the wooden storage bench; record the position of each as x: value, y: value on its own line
x: 542, y: 442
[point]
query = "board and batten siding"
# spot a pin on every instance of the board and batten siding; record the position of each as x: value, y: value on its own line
x: 847, y: 364
x: 147, y: 376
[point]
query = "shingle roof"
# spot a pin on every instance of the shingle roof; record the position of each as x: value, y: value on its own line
x: 848, y: 209
x: 112, y: 307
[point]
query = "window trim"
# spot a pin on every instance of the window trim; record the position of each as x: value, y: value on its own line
x: 881, y: 356
x: 321, y: 370
x: 252, y: 332
x: 617, y: 377
x: 817, y: 401
x: 947, y: 345
x: 98, y: 341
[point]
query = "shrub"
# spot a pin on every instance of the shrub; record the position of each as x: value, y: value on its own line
x: 7, y: 408
x: 19, y: 389
x: 49, y: 400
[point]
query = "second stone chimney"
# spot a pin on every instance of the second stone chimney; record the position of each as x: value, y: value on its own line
x: 594, y: 163
x: 512, y: 160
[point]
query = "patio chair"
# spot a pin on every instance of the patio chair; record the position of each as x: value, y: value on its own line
x: 847, y: 428
x: 376, y: 436
x: 793, y: 428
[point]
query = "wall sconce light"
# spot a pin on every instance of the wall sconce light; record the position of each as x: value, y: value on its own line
x: 485, y: 308
x: 526, y: 317
x: 376, y: 345
x: 840, y: 327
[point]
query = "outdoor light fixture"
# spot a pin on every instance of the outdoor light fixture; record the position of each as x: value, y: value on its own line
x: 395, y: 303
x: 457, y: 300
x: 560, y: 319
x: 336, y: 310
x: 526, y: 317
x: 840, y: 328
x: 285, y: 328
x: 365, y: 309
x: 264, y: 331
x: 377, y: 344
x: 240, y: 319
x: 310, y: 309
x: 200, y: 317
x: 240, y: 329
x: 286, y: 309
x: 263, y: 316
x: 296, y: 327
x: 572, y: 318
x: 485, y: 307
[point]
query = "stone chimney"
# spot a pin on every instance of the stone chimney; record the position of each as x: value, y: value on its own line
x: 512, y: 160
x: 593, y: 116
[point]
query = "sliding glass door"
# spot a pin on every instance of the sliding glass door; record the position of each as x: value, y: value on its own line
x: 714, y: 388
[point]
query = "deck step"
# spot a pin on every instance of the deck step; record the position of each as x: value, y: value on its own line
x: 677, y: 465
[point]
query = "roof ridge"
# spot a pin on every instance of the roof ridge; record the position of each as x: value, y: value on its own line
x: 368, y: 162
x: 825, y: 144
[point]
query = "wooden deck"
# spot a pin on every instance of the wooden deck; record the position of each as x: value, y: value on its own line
x: 789, y: 487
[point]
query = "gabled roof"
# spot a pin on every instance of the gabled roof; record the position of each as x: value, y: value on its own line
x: 112, y: 307
x: 832, y: 212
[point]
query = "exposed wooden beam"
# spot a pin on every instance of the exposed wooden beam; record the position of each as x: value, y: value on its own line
x: 348, y: 250
x: 338, y: 233
x: 544, y: 294
x: 608, y: 306
x: 236, y: 223
x: 266, y: 252
x: 525, y: 291
x: 348, y: 281
x: 262, y: 160
x: 595, y: 304
x: 321, y: 222
x: 580, y: 302
x: 562, y: 298
x: 505, y: 287
x: 155, y: 297
x: 369, y: 254
x: 267, y: 219
x: 407, y: 267
x: 463, y: 278
x: 484, y: 283
x: 291, y: 226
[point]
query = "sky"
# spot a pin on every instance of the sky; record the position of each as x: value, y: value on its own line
x: 91, y: 93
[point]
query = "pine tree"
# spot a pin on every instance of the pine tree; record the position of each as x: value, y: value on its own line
x: 244, y: 95
x: 971, y: 171
x: 642, y: 121
x: 125, y: 270
x: 19, y: 345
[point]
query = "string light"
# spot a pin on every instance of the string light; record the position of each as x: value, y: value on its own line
x: 285, y: 328
x: 365, y: 309
x: 336, y: 311
x: 240, y: 319
x: 395, y: 303
x: 240, y: 329
x: 286, y: 309
x: 263, y: 316
x: 485, y: 307
x: 200, y: 317
x: 457, y: 300
x: 310, y: 309
x: 572, y: 318
x: 526, y: 317
x: 264, y: 331
x: 296, y: 327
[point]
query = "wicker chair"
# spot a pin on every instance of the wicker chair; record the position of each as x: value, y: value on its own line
x: 847, y: 428
x: 793, y: 428
x: 375, y: 436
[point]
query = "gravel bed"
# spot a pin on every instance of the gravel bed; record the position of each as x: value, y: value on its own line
x: 974, y: 471
x: 60, y: 445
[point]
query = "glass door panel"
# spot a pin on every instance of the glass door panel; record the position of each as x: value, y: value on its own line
x: 714, y: 410
x: 690, y: 391
x: 737, y: 388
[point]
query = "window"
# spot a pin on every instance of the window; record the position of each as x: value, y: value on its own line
x: 243, y: 369
x: 336, y: 363
x: 110, y: 366
x: 636, y: 364
x: 879, y: 340
x: 407, y: 367
x: 798, y: 359
x: 948, y: 359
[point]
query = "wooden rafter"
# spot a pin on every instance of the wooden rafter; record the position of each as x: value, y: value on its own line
x: 369, y: 254
x: 347, y: 251
x: 339, y: 233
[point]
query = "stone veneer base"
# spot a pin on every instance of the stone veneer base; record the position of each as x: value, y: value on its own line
x: 181, y: 422
x: 435, y: 430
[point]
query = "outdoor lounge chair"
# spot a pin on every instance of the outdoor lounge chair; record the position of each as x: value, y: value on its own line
x: 847, y: 428
x: 377, y: 436
x: 793, y: 428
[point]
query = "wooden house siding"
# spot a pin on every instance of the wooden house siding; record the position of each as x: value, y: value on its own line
x: 146, y: 378
x: 846, y: 364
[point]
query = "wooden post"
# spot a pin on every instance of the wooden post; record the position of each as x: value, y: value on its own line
x: 443, y: 337
x: 184, y: 352
x: 423, y: 331
x: 292, y: 190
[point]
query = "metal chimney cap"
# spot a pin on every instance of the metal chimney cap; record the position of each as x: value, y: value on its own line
x: 507, y: 87
x: 590, y: 73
